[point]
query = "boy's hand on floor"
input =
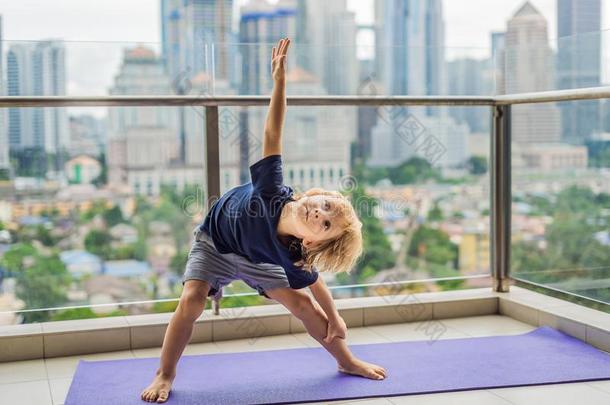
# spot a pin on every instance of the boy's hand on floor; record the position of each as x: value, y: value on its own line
x: 336, y: 329
x: 278, y: 59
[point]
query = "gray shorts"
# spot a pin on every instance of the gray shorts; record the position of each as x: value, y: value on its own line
x: 219, y: 269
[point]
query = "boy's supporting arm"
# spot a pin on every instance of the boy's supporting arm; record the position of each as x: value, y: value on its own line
x: 272, y: 143
x: 322, y: 294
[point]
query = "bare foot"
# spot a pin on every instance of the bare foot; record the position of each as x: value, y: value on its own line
x: 364, y: 369
x: 159, y: 389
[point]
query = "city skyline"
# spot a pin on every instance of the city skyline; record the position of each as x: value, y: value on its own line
x: 102, y: 61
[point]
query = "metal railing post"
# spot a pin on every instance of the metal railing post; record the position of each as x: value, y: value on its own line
x: 500, y: 218
x: 212, y: 171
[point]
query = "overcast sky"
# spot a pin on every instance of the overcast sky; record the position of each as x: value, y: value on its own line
x: 468, y: 22
x: 118, y: 23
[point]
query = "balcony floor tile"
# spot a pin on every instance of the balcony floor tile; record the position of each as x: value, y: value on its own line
x: 22, y: 371
x: 473, y: 397
x: 556, y: 394
x: 26, y: 393
x: 64, y: 367
x: 47, y: 381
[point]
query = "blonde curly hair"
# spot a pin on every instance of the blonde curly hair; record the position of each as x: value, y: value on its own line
x: 341, y: 253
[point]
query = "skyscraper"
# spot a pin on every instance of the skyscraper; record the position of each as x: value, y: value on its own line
x: 317, y: 139
x: 497, y: 60
x: 529, y: 68
x: 193, y: 34
x: 412, y: 39
x: 4, y: 160
x: 579, y: 65
x: 38, y: 69
x: 413, y: 62
x: 469, y: 76
x: 143, y: 150
x: 328, y: 44
x: 261, y: 25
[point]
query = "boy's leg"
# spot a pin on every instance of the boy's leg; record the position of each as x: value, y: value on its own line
x: 305, y: 308
x: 178, y: 334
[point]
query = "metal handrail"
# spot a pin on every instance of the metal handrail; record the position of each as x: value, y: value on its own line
x: 589, y: 93
x: 206, y: 100
x: 241, y: 101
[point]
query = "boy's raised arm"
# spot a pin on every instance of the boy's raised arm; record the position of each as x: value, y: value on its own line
x: 272, y: 143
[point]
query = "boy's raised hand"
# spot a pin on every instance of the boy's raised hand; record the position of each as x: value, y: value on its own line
x: 278, y: 59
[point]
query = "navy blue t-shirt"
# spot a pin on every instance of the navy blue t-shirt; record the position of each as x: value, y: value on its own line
x: 244, y: 221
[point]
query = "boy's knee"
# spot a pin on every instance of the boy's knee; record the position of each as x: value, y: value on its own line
x: 191, y: 305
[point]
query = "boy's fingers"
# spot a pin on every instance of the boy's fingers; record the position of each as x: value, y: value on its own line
x: 280, y: 46
x: 273, y: 51
x: 284, y: 46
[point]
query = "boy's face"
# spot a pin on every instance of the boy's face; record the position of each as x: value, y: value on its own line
x: 318, y: 218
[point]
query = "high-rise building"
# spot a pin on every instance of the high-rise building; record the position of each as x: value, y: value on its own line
x: 470, y: 77
x: 579, y: 65
x: 529, y: 68
x: 313, y: 157
x: 498, y: 60
x: 193, y: 37
x: 4, y: 159
x: 317, y: 139
x: 38, y: 69
x: 411, y: 48
x: 414, y: 32
x: 327, y: 46
x: 143, y: 148
x: 367, y: 115
x: 260, y: 25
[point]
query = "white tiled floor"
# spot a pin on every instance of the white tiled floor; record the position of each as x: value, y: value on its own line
x: 46, y: 382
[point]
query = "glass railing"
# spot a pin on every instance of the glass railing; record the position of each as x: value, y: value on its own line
x: 102, y: 225
x: 561, y: 169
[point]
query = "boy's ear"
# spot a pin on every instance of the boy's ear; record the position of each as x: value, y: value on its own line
x: 307, y: 243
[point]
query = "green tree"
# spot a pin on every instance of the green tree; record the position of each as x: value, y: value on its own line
x: 13, y: 259
x: 43, y: 284
x: 178, y: 262
x: 435, y: 214
x: 570, y: 243
x: 377, y: 251
x: 44, y: 236
x: 98, y: 243
x: 73, y: 313
x: 123, y: 252
x: 433, y: 246
x: 102, y: 178
x: 85, y: 313
x: 113, y: 216
x: 575, y: 199
x: 477, y: 165
x: 414, y: 170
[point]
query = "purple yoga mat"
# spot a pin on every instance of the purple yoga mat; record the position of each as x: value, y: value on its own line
x: 542, y: 356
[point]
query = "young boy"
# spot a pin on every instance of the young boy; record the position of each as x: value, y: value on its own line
x: 273, y: 240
